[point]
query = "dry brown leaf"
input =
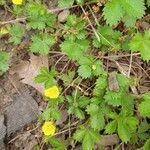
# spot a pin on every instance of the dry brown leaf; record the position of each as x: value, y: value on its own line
x: 109, y: 140
x: 28, y: 70
x: 113, y: 83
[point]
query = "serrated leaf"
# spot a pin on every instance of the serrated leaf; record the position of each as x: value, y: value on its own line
x: 55, y: 143
x: 38, y: 16
x: 123, y: 132
x: 16, y: 32
x: 97, y: 121
x: 147, y: 145
x: 74, y: 49
x: 141, y: 43
x: 41, y: 43
x: 111, y: 127
x: 113, y: 12
x: 51, y: 113
x: 46, y: 77
x: 101, y: 84
x: 127, y: 10
x: 87, y: 136
x: 79, y: 134
x: 65, y: 3
x: 85, y: 71
x: 144, y: 106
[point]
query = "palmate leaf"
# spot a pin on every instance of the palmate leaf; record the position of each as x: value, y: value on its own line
x: 38, y: 16
x: 97, y: 120
x: 90, y: 67
x: 42, y: 43
x: 16, y: 32
x: 47, y: 77
x: 125, y: 125
x: 87, y: 136
x: 127, y: 10
x: 141, y: 43
x: 74, y: 49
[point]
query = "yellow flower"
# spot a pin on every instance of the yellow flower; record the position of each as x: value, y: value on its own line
x: 17, y: 2
x: 52, y: 92
x: 94, y: 67
x: 49, y: 128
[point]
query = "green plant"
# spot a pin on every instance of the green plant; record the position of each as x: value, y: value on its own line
x: 141, y: 43
x: 97, y: 98
x: 126, y: 10
x: 4, y: 61
x: 17, y: 33
x: 41, y: 43
x: 87, y: 136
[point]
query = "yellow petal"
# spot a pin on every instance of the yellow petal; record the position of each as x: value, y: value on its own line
x: 49, y: 128
x: 94, y: 67
x: 17, y: 2
x: 52, y: 92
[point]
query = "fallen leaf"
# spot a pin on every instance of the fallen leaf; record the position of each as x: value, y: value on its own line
x: 28, y: 70
x: 62, y: 17
x: 113, y: 83
x: 109, y: 140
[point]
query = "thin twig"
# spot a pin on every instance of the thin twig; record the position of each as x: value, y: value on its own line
x: 130, y: 66
x: 95, y: 32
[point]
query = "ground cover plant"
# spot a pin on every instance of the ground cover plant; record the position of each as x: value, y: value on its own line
x: 99, y: 94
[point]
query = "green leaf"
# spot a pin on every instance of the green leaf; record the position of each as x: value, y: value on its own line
x: 16, y: 32
x: 39, y: 17
x: 46, y: 77
x: 123, y: 132
x: 80, y: 2
x: 51, y: 113
x: 144, y: 106
x: 79, y: 134
x: 101, y: 84
x: 111, y: 127
x: 147, y: 145
x: 148, y: 3
x: 110, y: 39
x: 85, y: 71
x: 98, y: 70
x: 79, y: 113
x: 68, y: 78
x: 113, y: 12
x: 41, y: 43
x: 87, y: 136
x: 97, y: 121
x: 4, y: 59
x: 74, y: 49
x: 127, y: 10
x: 65, y: 3
x: 55, y: 143
x: 141, y: 43
x: 97, y: 113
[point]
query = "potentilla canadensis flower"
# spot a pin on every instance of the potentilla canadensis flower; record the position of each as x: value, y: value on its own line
x: 17, y: 2
x: 52, y: 92
x: 49, y: 128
